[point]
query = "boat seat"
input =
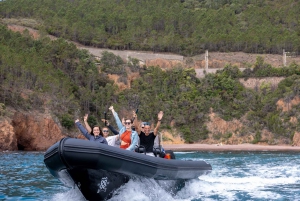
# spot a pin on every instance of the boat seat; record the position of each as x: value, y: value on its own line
x: 140, y: 149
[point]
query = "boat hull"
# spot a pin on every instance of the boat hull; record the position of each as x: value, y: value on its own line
x: 97, y: 184
x: 98, y: 169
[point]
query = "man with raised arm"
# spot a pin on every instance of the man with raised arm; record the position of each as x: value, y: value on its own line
x: 147, y: 137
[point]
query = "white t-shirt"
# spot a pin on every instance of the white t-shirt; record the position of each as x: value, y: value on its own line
x: 111, y: 140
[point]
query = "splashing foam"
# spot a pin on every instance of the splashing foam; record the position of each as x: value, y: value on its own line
x: 71, y: 195
x: 231, y: 179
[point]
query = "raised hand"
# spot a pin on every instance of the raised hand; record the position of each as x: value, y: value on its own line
x: 160, y: 115
x: 134, y: 115
x: 85, y: 118
x: 107, y: 122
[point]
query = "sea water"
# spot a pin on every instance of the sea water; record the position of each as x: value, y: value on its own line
x: 235, y: 176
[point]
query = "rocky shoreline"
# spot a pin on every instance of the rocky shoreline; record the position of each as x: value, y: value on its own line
x: 37, y: 132
x: 220, y: 147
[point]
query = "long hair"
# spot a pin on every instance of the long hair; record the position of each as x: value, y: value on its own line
x: 101, y: 133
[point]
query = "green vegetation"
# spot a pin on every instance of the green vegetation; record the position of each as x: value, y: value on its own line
x: 51, y: 73
x: 187, y: 27
x: 2, y: 109
x: 57, y: 75
x: 35, y: 74
x: 257, y: 137
x: 67, y: 121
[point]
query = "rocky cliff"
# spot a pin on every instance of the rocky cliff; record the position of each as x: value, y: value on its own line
x: 29, y: 132
x: 8, y: 139
x: 38, y: 131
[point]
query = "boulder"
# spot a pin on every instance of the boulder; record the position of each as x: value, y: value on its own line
x: 8, y: 140
x: 296, y: 139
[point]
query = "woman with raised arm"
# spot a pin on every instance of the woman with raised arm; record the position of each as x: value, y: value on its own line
x: 95, y: 134
x: 128, y: 137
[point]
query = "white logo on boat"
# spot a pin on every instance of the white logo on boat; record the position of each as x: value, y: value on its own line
x: 102, y: 186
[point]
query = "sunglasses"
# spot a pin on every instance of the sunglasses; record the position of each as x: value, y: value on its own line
x: 127, y: 123
x: 105, y: 130
x: 146, y: 123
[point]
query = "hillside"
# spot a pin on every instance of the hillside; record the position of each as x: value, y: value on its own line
x: 231, y: 106
x: 217, y: 60
x: 183, y: 27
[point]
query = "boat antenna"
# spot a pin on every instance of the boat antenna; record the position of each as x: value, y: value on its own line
x: 137, y: 107
x: 133, y: 118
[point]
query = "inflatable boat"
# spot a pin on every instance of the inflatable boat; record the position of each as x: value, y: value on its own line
x: 97, y: 170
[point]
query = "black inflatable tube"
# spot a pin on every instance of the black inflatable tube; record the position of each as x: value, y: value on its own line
x: 73, y: 153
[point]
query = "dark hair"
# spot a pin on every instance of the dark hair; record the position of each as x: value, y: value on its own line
x: 128, y: 119
x: 105, y: 127
x: 101, y: 133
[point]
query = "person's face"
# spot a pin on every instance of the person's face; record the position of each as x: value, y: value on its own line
x: 142, y: 128
x: 96, y: 131
x: 127, y: 124
x: 147, y: 129
x: 105, y: 132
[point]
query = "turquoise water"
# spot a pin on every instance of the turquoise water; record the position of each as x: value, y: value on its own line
x: 235, y: 176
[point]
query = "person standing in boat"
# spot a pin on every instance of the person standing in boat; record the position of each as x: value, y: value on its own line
x: 128, y: 137
x: 147, y: 137
x: 95, y: 135
x: 111, y: 140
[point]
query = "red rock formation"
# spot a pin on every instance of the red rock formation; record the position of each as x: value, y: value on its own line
x: 253, y: 83
x: 35, y: 132
x: 286, y: 106
x: 8, y: 140
x: 218, y: 125
x: 163, y: 63
x: 296, y: 139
